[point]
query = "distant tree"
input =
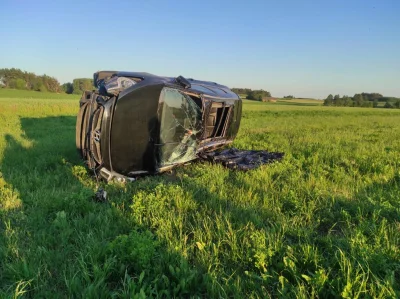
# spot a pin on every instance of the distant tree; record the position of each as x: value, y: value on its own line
x: 51, y: 83
x: 67, y: 87
x: 245, y: 91
x: 38, y: 84
x: 388, y: 99
x: 82, y: 84
x: 338, y: 100
x: 397, y: 104
x: 367, y: 104
x: 347, y: 101
x: 289, y: 97
x: 17, y: 83
x: 15, y: 78
x: 29, y: 79
x: 11, y: 83
x: 361, y: 100
x: 257, y: 95
x: 388, y: 105
x: 2, y: 78
x: 358, y: 100
x: 371, y: 96
x: 328, y: 101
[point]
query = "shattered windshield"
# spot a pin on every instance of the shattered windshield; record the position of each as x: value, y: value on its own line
x: 180, y: 127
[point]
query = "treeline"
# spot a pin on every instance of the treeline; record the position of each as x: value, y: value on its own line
x: 78, y: 86
x: 256, y: 95
x: 364, y: 99
x: 18, y: 79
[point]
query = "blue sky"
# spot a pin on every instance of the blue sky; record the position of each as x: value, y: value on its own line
x: 304, y: 48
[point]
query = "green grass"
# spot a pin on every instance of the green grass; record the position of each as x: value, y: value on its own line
x: 324, y: 222
x: 293, y: 102
x: 300, y: 102
x: 28, y: 94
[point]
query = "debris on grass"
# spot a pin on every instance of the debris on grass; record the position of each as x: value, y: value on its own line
x: 101, y: 195
x: 234, y: 158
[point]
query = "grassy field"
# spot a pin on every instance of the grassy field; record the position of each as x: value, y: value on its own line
x: 300, y: 102
x: 29, y: 95
x: 293, y: 102
x: 324, y: 222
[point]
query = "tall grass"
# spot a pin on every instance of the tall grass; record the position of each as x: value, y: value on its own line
x: 324, y: 222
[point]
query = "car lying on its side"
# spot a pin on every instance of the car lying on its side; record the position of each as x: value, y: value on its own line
x: 139, y: 123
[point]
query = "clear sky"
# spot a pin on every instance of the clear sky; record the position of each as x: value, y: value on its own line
x: 304, y: 48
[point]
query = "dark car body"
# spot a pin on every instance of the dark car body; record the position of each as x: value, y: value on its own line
x: 146, y: 124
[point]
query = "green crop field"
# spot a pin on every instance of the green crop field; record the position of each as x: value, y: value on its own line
x: 322, y: 223
x: 301, y: 102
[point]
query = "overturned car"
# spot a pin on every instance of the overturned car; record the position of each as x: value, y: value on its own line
x: 139, y: 123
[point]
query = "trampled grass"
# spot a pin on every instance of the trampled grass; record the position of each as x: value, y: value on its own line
x: 324, y: 222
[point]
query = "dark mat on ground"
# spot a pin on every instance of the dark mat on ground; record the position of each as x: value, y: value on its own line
x: 234, y: 158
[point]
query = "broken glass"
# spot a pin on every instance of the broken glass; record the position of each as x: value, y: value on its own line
x: 180, y: 128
